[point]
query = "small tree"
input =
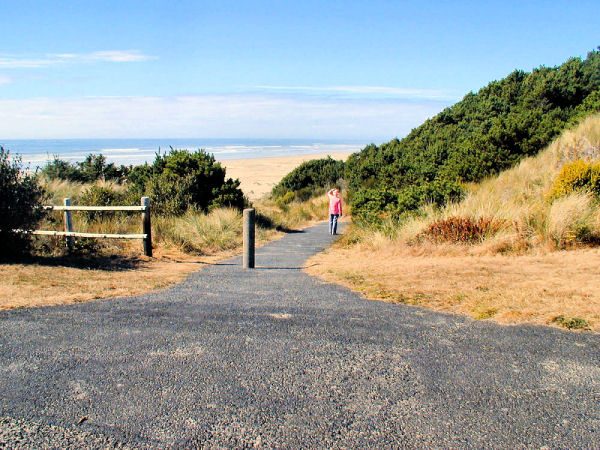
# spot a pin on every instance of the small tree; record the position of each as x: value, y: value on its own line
x: 20, y: 206
x: 180, y: 180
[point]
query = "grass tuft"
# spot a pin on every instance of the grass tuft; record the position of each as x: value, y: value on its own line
x: 484, y: 313
x: 571, y: 323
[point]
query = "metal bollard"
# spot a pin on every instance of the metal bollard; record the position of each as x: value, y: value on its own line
x: 146, y: 226
x: 248, y: 235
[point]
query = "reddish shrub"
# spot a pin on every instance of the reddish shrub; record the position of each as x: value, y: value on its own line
x: 460, y: 230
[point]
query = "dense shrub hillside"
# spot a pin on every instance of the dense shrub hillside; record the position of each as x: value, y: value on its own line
x: 310, y: 178
x: 481, y: 135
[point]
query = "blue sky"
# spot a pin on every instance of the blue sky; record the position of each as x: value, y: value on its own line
x: 368, y: 70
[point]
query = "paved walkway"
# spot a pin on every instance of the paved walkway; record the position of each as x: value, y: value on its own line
x: 272, y: 357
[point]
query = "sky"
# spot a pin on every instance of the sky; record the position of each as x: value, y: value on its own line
x: 345, y: 70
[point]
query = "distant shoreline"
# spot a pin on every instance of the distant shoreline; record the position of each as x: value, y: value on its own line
x: 36, y: 153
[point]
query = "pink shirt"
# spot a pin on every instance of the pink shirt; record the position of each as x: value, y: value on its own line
x: 335, y: 203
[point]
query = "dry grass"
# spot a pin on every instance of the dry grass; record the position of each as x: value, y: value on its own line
x: 54, y: 281
x: 111, y: 268
x: 296, y: 214
x: 520, y: 273
x: 115, y: 268
x: 58, y: 190
x: 504, y: 288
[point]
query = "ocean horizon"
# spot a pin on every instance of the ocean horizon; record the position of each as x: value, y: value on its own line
x: 38, y: 152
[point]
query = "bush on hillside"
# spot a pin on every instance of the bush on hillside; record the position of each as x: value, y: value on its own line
x: 92, y: 169
x: 176, y: 181
x: 479, y: 136
x: 577, y: 176
x: 309, y: 179
x: 589, y: 106
x: 180, y: 180
x: 372, y: 205
x: 20, y: 205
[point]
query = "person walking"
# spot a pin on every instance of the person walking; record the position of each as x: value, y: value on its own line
x: 335, y: 209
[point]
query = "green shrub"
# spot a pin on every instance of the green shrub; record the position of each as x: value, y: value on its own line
x: 228, y: 195
x: 577, y: 176
x: 572, y: 323
x: 373, y: 205
x: 180, y: 180
x: 170, y: 196
x: 310, y: 178
x: 92, y: 168
x: 286, y: 199
x: 59, y: 169
x: 20, y: 205
x: 138, y: 177
x: 100, y: 196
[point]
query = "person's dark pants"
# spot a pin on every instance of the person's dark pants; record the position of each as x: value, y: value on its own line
x: 333, y: 219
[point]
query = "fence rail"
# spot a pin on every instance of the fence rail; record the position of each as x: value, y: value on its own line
x: 96, y: 208
x: 88, y: 235
x: 69, y: 234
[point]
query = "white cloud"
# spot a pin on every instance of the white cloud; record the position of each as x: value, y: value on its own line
x: 22, y: 62
x: 25, y: 63
x: 120, y: 56
x: 226, y: 116
x: 5, y: 80
x: 386, y: 91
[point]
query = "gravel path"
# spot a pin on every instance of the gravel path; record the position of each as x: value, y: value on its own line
x: 272, y: 357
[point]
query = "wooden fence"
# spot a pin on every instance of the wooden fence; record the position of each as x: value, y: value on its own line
x: 69, y: 234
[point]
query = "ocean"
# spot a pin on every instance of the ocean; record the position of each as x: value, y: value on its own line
x: 37, y: 152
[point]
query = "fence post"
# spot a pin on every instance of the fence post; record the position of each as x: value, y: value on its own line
x: 69, y: 224
x: 248, y: 235
x: 146, y: 227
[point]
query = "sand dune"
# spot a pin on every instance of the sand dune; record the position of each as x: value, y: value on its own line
x: 259, y: 175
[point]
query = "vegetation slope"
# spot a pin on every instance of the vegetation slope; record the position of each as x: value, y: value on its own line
x: 483, y: 134
x: 519, y: 247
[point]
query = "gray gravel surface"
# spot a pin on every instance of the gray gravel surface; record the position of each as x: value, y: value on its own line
x: 272, y: 357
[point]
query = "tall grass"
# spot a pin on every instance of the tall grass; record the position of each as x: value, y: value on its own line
x: 197, y: 232
x: 194, y: 232
x: 572, y: 218
x: 295, y: 214
x: 58, y: 190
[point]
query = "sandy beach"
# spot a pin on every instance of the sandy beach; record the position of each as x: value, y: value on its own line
x: 259, y: 175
